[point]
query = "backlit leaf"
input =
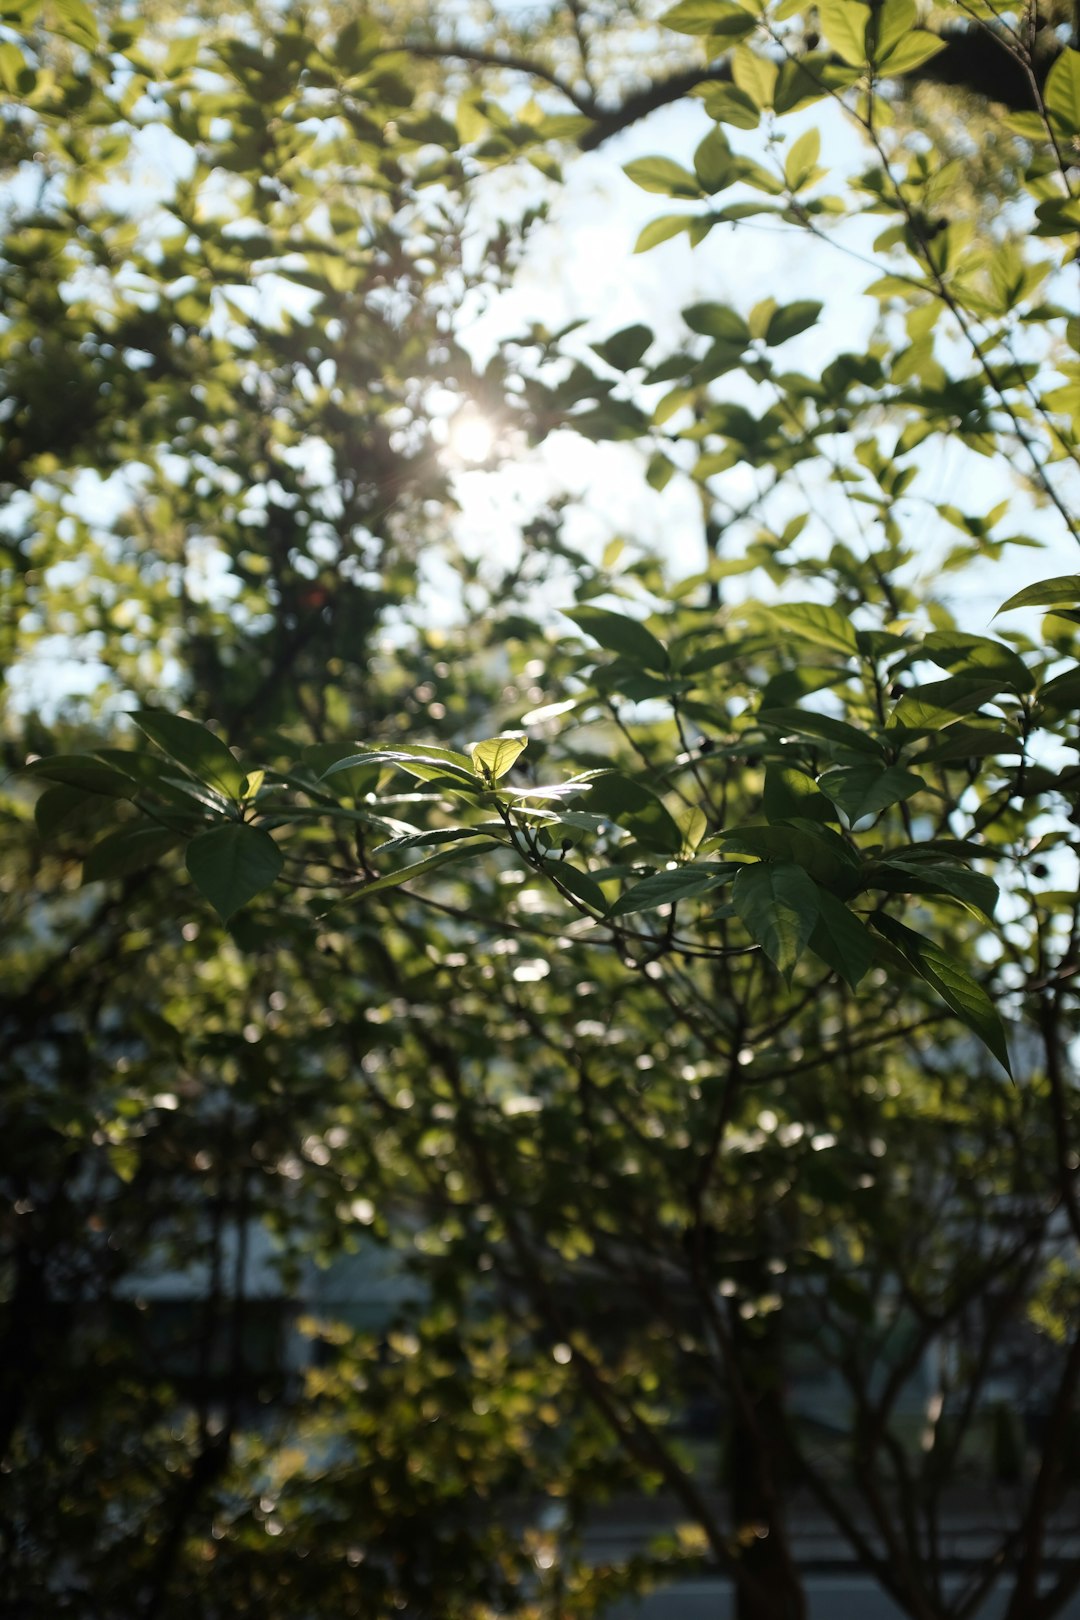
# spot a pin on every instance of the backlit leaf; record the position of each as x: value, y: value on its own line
x: 493, y: 758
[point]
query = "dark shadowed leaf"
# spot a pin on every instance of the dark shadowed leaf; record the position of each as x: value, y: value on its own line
x: 779, y: 908
x: 957, y: 989
x: 866, y: 790
x: 1062, y: 591
x: 664, y: 888
x: 841, y: 939
x: 132, y: 849
x: 620, y: 634
x: 195, y: 748
x: 231, y: 865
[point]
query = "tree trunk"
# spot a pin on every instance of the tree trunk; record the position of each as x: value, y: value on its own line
x: 772, y: 1588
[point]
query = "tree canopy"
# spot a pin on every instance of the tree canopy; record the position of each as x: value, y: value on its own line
x: 663, y: 951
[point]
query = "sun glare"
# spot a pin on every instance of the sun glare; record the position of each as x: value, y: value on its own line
x: 471, y: 437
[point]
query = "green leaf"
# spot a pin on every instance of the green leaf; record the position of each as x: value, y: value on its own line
x: 620, y: 634
x: 426, y: 764
x: 662, y: 175
x: 75, y: 21
x: 662, y: 230
x: 779, y: 908
x: 911, y: 53
x: 1060, y: 591
x: 813, y: 621
x: 890, y: 22
x: 715, y: 163
x: 84, y: 772
x: 709, y: 17
x: 957, y: 989
x: 231, y: 865
x: 793, y: 795
x: 843, y: 22
x: 866, y: 790
x: 638, y: 810
x: 792, y: 319
x: 755, y: 75
x: 195, y: 748
x: 809, y: 78
x: 436, y: 836
x: 12, y: 66
x: 394, y: 880
x: 815, y: 848
x: 1062, y: 91
x: 800, y: 163
x: 493, y: 758
x: 806, y: 723
x: 668, y: 888
x: 625, y: 348
x: 579, y: 884
x: 717, y: 321
x: 57, y: 805
x: 974, y: 890
x: 935, y: 704
x: 977, y: 655
x: 841, y: 939
x: 727, y: 104
x: 129, y: 850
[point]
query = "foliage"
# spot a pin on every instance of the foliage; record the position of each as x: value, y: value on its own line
x: 651, y: 986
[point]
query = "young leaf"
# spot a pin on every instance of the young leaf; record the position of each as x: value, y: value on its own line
x: 662, y: 175
x: 717, y: 321
x: 195, y: 748
x: 727, y: 104
x: 495, y: 757
x: 709, y: 17
x: 843, y: 22
x: 800, y: 163
x: 662, y: 230
x: 779, y: 908
x: 715, y: 162
x: 75, y: 21
x: 911, y: 53
x: 232, y: 864
x: 1062, y: 92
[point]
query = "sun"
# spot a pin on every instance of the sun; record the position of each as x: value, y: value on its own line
x: 471, y: 437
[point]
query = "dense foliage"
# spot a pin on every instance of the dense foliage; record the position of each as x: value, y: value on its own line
x: 684, y: 997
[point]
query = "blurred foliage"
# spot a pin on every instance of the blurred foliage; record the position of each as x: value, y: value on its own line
x: 640, y: 993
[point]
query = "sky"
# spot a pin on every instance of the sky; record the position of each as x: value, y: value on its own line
x: 581, y: 265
